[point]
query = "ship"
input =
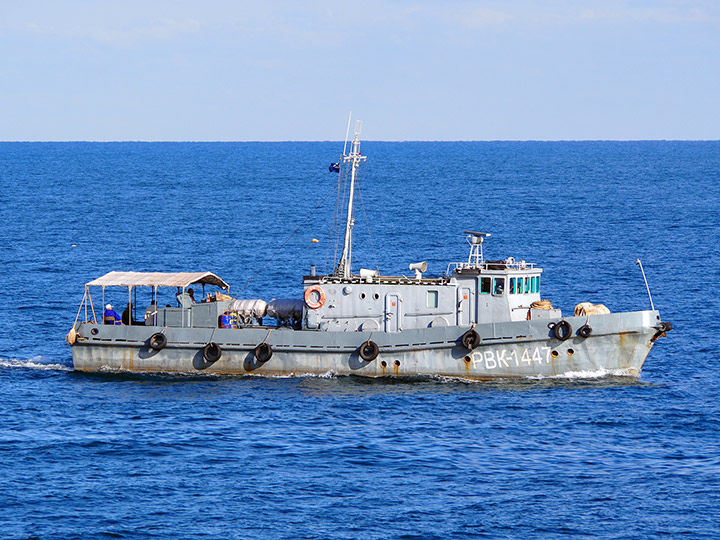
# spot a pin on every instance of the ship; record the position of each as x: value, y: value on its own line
x: 479, y: 320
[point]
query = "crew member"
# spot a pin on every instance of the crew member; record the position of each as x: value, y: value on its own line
x: 151, y: 314
x: 127, y: 317
x: 110, y: 316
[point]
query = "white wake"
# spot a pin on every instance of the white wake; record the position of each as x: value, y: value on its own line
x: 36, y: 362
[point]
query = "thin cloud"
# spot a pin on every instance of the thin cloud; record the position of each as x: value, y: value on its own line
x: 663, y: 14
x: 163, y: 30
x: 481, y: 17
x: 565, y: 13
x: 121, y: 36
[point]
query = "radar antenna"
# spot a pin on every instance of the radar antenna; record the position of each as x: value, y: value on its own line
x: 475, y: 239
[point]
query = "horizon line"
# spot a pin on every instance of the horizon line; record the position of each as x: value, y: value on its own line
x: 142, y: 141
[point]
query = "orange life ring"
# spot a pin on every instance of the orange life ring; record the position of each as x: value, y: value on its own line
x: 314, y: 304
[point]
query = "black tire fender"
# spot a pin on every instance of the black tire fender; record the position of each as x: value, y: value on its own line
x: 369, y: 351
x: 562, y: 330
x: 470, y: 339
x: 584, y: 331
x: 263, y: 352
x: 157, y: 341
x: 212, y: 352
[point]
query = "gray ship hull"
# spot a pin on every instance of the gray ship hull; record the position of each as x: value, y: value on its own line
x: 619, y: 344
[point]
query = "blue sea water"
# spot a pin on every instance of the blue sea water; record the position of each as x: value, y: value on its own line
x: 141, y: 456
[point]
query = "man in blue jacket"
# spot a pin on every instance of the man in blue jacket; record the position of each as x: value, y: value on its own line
x: 110, y: 316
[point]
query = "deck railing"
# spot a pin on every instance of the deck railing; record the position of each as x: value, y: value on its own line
x: 509, y: 263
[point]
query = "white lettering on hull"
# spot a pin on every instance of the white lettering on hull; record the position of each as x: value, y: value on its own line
x: 494, y: 358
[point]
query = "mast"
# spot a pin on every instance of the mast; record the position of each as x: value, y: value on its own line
x: 344, y: 267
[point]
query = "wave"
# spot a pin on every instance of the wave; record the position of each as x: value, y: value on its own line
x: 327, y: 375
x: 36, y: 362
x: 107, y: 372
x: 591, y: 374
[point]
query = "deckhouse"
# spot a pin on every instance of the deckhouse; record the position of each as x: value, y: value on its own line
x: 470, y: 292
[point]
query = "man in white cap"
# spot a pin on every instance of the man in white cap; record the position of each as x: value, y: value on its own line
x: 110, y: 317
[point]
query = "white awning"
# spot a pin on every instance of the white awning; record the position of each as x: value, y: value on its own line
x: 157, y: 279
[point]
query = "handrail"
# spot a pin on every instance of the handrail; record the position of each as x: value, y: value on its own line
x: 516, y: 265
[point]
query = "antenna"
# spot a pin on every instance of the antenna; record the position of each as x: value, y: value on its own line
x: 354, y: 158
x: 347, y: 133
x: 637, y: 261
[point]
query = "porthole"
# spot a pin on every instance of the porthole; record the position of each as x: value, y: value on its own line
x: 362, y: 296
x: 376, y: 296
x: 383, y: 364
x: 571, y: 352
x: 468, y: 359
x: 555, y: 354
x: 397, y: 363
x: 94, y: 331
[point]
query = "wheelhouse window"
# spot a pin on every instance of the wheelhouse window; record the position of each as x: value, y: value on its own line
x: 512, y: 285
x: 527, y: 285
x: 432, y: 299
x: 485, y: 285
x: 498, y: 286
x: 532, y: 284
x: 535, y: 284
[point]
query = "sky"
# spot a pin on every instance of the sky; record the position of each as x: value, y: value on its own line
x: 216, y: 70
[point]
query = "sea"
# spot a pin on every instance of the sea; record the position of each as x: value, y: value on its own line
x: 584, y: 456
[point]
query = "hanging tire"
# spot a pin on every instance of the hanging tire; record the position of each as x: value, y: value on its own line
x: 584, y: 331
x: 158, y: 341
x: 263, y: 352
x: 369, y: 351
x: 470, y: 339
x: 562, y: 330
x: 212, y: 352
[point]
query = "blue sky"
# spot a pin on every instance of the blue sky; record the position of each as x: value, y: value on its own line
x: 411, y: 70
